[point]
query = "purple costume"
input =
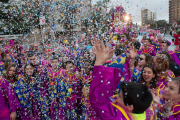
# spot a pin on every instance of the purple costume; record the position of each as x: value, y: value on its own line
x: 42, y: 78
x: 150, y: 50
x: 86, y: 78
x: 57, y: 90
x: 73, y: 95
x: 8, y: 100
x: 174, y: 57
x: 175, y: 109
x: 87, y: 109
x: 162, y: 82
x: 28, y: 97
x: 177, y: 51
x: 103, y: 86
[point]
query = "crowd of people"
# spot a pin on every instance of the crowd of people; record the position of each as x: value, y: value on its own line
x: 92, y: 79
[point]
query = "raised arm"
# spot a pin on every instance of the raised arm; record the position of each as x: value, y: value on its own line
x: 103, y: 85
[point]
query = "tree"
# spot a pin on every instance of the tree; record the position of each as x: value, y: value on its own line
x: 68, y: 13
x: 18, y: 18
x: 153, y: 26
x: 178, y: 22
x: 98, y: 19
x: 161, y: 23
x: 5, y: 1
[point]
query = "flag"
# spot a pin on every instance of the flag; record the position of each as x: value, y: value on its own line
x: 42, y: 20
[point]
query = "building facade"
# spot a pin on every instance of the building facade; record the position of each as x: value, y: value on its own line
x: 174, y: 11
x: 147, y: 17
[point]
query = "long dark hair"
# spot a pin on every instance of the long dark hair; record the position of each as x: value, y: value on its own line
x: 7, y: 63
x: 27, y: 77
x: 6, y: 76
x: 136, y: 60
x: 163, y: 63
x: 120, y: 49
x: 154, y: 80
x: 148, y: 58
x: 91, y: 67
x: 167, y: 54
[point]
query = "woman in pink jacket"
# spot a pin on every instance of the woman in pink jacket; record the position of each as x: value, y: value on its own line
x: 131, y: 103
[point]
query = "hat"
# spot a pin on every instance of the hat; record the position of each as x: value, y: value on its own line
x: 11, y: 43
x: 160, y: 35
x: 7, y: 49
x: 166, y: 41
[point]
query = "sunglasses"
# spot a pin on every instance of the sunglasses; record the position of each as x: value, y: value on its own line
x: 141, y: 59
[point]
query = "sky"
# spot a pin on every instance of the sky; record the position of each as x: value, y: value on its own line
x: 133, y: 7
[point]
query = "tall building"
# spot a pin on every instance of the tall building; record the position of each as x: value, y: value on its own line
x: 174, y: 11
x: 147, y: 17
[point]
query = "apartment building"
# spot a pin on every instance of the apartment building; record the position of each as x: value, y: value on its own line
x: 174, y: 11
x: 147, y: 17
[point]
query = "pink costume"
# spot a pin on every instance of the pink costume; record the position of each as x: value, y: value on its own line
x: 175, y: 109
x: 177, y: 51
x: 86, y: 78
x: 29, y: 99
x: 174, y: 57
x: 8, y: 100
x: 150, y: 50
x: 87, y: 109
x: 57, y: 90
x: 103, y: 86
x: 161, y: 84
x: 42, y: 78
x: 73, y: 95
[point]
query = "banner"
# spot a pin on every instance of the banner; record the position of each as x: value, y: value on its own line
x: 42, y: 20
x: 53, y: 26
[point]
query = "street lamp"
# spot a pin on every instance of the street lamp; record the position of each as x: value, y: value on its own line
x: 127, y: 18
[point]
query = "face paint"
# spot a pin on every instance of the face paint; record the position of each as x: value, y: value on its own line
x: 163, y: 49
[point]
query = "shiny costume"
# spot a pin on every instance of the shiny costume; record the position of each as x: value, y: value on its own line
x: 150, y: 50
x: 103, y: 86
x: 8, y: 100
x: 175, y: 109
x: 177, y: 51
x: 73, y: 96
x: 29, y: 100
x: 57, y: 91
x: 161, y: 84
x: 136, y: 75
x: 121, y: 62
x: 87, y: 109
x: 157, y: 45
x: 86, y: 78
x: 174, y: 57
x: 2, y: 68
x: 43, y: 87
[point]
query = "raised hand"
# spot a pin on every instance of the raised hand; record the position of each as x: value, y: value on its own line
x: 167, y: 108
x: 156, y: 98
x: 13, y: 115
x: 132, y: 54
x: 168, y: 104
x: 102, y: 53
x: 74, y: 53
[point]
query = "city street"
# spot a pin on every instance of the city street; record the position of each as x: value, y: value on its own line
x: 82, y: 60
